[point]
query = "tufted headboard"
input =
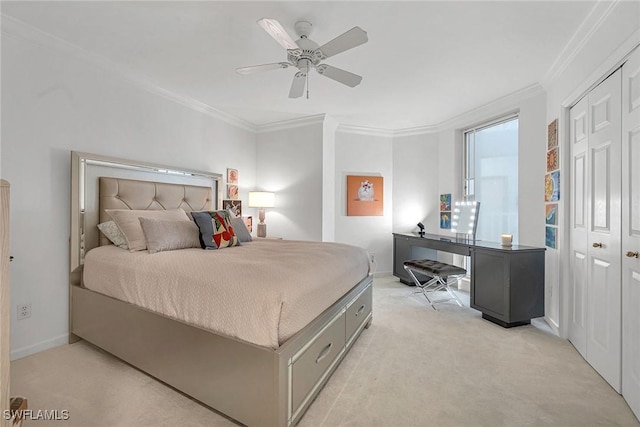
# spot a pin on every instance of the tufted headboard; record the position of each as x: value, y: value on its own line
x: 102, y: 182
x: 117, y: 193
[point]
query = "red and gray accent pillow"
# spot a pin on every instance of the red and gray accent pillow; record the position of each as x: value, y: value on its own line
x: 216, y: 231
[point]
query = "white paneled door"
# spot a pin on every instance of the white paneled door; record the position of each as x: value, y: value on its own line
x: 578, y: 210
x: 596, y: 288
x: 604, y: 285
x: 631, y: 232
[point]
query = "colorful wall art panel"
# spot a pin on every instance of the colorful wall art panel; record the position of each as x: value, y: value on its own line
x: 552, y: 187
x: 552, y: 214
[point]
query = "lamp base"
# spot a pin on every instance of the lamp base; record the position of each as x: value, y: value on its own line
x: 262, y: 230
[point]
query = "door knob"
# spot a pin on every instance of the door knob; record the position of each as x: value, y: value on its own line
x: 633, y: 254
x: 597, y: 245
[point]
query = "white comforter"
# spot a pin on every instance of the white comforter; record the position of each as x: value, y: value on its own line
x: 262, y: 292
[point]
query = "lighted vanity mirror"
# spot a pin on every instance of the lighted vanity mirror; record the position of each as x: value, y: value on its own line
x: 465, y: 218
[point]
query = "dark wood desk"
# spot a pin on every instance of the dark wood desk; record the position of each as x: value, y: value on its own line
x: 507, y: 283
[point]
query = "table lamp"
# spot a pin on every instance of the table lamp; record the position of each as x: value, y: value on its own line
x: 261, y: 200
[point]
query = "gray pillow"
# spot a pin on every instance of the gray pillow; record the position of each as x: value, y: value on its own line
x: 167, y: 235
x: 113, y: 233
x: 241, y: 229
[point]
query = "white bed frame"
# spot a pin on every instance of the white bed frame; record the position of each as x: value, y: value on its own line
x: 251, y: 384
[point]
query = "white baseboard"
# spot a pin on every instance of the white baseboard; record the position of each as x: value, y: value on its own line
x: 382, y: 274
x: 19, y: 353
x: 464, y: 284
x: 553, y: 325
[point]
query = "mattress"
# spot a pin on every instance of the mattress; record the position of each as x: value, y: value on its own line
x: 262, y: 292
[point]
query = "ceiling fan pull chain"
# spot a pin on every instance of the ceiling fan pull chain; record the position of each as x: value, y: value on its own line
x: 307, y: 84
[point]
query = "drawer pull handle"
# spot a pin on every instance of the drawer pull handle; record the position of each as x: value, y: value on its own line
x: 633, y: 254
x: 324, y: 353
x: 597, y: 245
x: 360, y: 310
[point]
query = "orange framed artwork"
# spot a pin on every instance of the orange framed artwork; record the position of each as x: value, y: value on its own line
x: 365, y: 195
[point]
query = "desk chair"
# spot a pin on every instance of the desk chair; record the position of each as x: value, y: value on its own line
x: 441, y: 276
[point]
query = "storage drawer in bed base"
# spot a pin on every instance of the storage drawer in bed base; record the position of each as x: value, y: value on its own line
x: 206, y: 366
x: 311, y: 366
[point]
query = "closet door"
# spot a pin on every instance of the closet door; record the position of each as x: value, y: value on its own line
x: 604, y: 230
x: 578, y: 137
x: 631, y: 232
x: 596, y: 181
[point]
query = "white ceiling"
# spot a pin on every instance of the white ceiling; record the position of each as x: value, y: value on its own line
x: 425, y: 61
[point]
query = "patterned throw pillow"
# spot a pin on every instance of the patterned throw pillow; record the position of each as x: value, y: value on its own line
x: 216, y: 230
x: 113, y: 233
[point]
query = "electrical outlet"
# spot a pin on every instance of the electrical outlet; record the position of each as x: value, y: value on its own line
x: 24, y: 311
x: 372, y: 258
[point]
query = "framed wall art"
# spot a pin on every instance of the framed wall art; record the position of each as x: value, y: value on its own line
x: 248, y: 221
x: 365, y: 195
x: 445, y: 202
x: 552, y: 135
x: 232, y: 176
x: 552, y: 187
x: 551, y: 217
x: 445, y: 220
x: 232, y: 192
x: 550, y: 237
x: 552, y: 159
x: 235, y: 206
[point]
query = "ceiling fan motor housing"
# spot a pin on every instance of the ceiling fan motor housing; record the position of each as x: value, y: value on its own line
x: 307, y: 55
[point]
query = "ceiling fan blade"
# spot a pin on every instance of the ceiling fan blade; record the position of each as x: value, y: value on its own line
x: 265, y: 67
x: 276, y: 31
x: 341, y: 76
x: 297, y: 86
x: 352, y: 38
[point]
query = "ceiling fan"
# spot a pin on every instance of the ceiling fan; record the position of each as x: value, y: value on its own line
x: 305, y: 54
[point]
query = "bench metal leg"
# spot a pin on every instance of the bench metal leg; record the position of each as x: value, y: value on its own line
x: 421, y: 286
x: 437, y: 283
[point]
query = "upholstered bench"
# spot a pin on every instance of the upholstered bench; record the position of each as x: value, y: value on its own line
x: 441, y: 276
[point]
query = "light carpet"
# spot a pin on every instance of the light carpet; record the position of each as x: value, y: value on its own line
x: 413, y: 367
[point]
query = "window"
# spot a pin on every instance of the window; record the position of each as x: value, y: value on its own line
x: 491, y: 177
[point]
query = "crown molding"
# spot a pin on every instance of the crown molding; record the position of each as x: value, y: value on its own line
x: 598, y: 14
x: 15, y: 28
x: 419, y: 130
x: 606, y: 68
x: 499, y: 106
x: 290, y: 124
x: 364, y: 130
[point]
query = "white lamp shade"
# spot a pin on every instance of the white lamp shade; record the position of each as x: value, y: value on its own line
x: 261, y: 199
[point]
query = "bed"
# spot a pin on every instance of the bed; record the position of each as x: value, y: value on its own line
x: 263, y: 370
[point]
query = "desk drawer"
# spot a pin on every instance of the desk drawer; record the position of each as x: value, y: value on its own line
x: 358, y: 311
x: 316, y: 359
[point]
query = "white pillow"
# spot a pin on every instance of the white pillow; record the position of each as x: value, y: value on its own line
x: 113, y: 233
x: 162, y: 235
x: 128, y: 222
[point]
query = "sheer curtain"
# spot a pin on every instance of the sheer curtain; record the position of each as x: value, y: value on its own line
x: 492, y: 177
